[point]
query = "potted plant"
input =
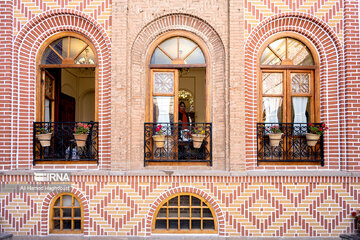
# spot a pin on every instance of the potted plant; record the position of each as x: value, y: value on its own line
x: 81, y: 132
x: 275, y: 135
x: 356, y: 216
x: 315, y: 132
x: 44, y: 136
x: 159, y: 137
x: 197, y: 137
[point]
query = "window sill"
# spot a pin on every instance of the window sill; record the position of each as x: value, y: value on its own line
x: 65, y: 162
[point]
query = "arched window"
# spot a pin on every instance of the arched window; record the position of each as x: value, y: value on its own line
x: 287, y: 82
x: 185, y: 213
x: 66, y: 214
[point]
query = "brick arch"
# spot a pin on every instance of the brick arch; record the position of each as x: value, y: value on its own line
x: 26, y: 46
x: 331, y: 75
x: 199, y: 192
x: 138, y: 68
x: 45, y: 210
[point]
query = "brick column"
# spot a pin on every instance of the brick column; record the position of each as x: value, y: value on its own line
x: 6, y: 35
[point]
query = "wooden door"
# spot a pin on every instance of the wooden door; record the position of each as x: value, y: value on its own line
x: 47, y: 99
x: 67, y: 108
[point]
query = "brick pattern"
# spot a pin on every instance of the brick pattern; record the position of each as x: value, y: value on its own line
x: 251, y: 206
x: 331, y: 81
x: 97, y: 9
x: 329, y: 11
x: 25, y: 48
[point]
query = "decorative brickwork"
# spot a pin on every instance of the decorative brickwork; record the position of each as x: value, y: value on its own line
x: 249, y: 206
x: 331, y: 78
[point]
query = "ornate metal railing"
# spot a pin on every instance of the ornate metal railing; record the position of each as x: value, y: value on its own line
x: 177, y: 142
x: 61, y: 144
x: 293, y: 145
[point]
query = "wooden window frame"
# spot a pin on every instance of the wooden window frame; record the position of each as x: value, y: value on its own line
x: 287, y: 69
x: 204, y: 205
x: 52, y: 210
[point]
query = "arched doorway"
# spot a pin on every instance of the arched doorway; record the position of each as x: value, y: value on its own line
x: 67, y: 72
x: 175, y: 132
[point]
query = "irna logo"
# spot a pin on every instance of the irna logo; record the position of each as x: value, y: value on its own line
x: 52, y: 177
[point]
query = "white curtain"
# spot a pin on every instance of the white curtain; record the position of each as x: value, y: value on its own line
x: 164, y: 107
x: 299, y: 105
x: 271, y: 106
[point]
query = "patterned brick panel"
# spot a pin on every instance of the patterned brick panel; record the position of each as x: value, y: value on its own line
x: 251, y: 206
x: 330, y: 11
x: 26, y: 10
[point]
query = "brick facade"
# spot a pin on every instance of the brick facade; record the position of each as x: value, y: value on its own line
x: 120, y: 194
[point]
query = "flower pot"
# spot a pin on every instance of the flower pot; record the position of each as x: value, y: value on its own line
x: 275, y: 139
x: 197, y: 140
x: 159, y: 140
x: 312, y: 139
x: 44, y: 139
x: 80, y: 139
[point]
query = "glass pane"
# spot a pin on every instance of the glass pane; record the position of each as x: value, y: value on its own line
x: 66, y: 212
x: 300, y: 82
x: 299, y: 53
x: 56, y: 212
x: 61, y: 46
x: 57, y: 203
x: 159, y: 57
x: 173, y: 212
x: 163, y: 110
x: 195, y: 201
x: 272, y: 83
x: 170, y: 47
x: 279, y: 47
x: 66, y: 224
x: 196, y: 57
x: 75, y: 46
x: 77, y: 224
x: 272, y: 109
x: 304, y: 58
x: 195, y: 224
x: 162, y: 212
x: 50, y: 57
x: 184, y: 224
x: 184, y: 212
x: 77, y: 212
x: 269, y: 58
x: 57, y: 224
x: 207, y: 213
x: 163, y: 82
x: 185, y: 47
x: 294, y: 47
x: 47, y: 115
x: 184, y: 200
x: 173, y: 224
x: 160, y: 224
x: 76, y: 203
x: 173, y: 201
x: 86, y: 57
x: 67, y: 201
x: 196, y: 212
x: 208, y: 224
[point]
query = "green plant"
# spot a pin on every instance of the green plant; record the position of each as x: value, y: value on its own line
x: 158, y: 130
x: 42, y: 130
x: 82, y: 128
x: 198, y: 130
x: 319, y: 130
x: 274, y: 129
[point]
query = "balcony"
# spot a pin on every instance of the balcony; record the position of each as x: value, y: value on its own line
x: 177, y: 142
x: 62, y: 146
x: 293, y: 146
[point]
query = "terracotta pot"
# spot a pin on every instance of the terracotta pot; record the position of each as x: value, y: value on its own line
x: 159, y: 140
x: 197, y: 140
x: 275, y: 139
x: 80, y: 139
x: 312, y: 139
x: 44, y: 139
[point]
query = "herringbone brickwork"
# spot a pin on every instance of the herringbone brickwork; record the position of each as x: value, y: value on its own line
x: 251, y: 206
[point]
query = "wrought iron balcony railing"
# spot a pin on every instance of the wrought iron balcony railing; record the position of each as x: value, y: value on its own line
x: 293, y: 145
x: 177, y: 142
x: 60, y: 143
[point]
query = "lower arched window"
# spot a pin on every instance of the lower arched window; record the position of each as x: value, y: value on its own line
x: 185, y: 213
x: 66, y: 214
